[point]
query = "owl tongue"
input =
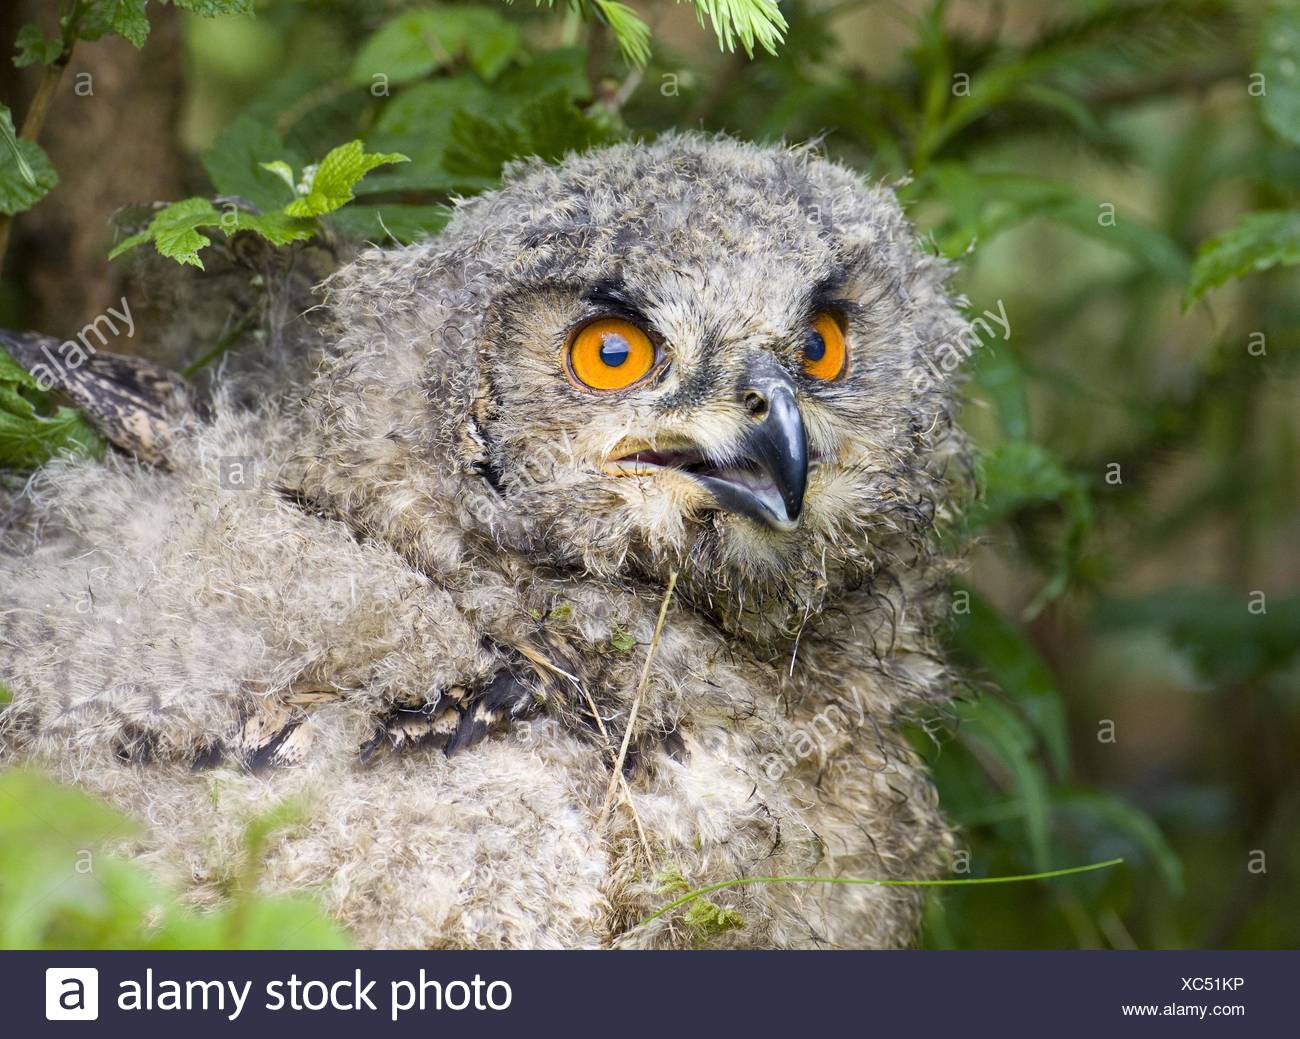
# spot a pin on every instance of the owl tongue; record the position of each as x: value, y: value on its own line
x: 745, y: 486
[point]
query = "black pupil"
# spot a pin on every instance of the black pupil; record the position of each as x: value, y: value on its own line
x: 613, y: 349
x: 814, y: 346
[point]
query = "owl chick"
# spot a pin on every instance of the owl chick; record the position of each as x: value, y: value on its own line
x: 594, y: 562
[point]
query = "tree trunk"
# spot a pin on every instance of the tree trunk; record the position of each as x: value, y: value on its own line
x: 112, y: 135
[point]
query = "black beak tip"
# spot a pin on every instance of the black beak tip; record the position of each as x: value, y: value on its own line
x: 780, y: 446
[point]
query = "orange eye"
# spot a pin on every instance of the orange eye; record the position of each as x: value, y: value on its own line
x: 610, y: 354
x: 824, y: 350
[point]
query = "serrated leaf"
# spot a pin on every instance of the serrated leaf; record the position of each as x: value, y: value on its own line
x: 278, y: 228
x: 548, y: 128
x: 338, y: 173
x: 214, y: 8
x: 238, y: 163
x: 125, y: 18
x: 1260, y: 241
x: 26, y: 174
x: 32, y: 431
x: 418, y: 42
x: 34, y: 48
x: 175, y: 231
x: 417, y: 122
x: 1279, y: 65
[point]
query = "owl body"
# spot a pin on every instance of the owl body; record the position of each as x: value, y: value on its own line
x: 538, y: 656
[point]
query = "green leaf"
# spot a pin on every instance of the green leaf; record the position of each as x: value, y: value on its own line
x: 1225, y: 640
x: 548, y: 127
x: 418, y: 42
x: 417, y: 122
x: 623, y: 641
x: 214, y: 8
x: 32, y: 429
x: 238, y: 164
x: 338, y: 173
x: 379, y: 223
x: 26, y: 174
x: 984, y: 636
x: 34, y: 48
x: 1113, y: 817
x: 48, y: 899
x: 175, y: 231
x: 277, y: 228
x: 1016, y: 474
x: 998, y: 373
x: 982, y: 205
x: 1279, y: 65
x: 125, y: 18
x: 1003, y: 742
x: 1260, y: 241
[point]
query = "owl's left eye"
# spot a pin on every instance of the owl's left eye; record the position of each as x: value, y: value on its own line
x: 610, y: 354
x: 825, y: 353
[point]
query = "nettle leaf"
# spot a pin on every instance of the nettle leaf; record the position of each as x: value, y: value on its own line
x: 32, y: 429
x: 418, y: 42
x: 176, y: 231
x: 125, y: 18
x: 35, y: 48
x: 1260, y: 241
x: 548, y: 128
x: 338, y: 173
x: 213, y: 8
x: 417, y: 122
x: 26, y: 173
x: 1279, y: 64
x: 235, y: 162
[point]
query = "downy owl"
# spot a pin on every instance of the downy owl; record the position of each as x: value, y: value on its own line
x: 421, y: 589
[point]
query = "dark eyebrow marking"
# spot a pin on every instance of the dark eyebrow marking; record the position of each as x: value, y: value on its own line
x: 612, y: 294
x: 827, y: 291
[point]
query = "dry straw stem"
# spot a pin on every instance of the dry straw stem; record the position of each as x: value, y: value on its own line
x: 641, y: 684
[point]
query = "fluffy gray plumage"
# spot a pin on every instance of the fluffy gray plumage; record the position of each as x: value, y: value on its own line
x: 429, y: 608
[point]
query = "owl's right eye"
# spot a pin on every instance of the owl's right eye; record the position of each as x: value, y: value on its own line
x: 610, y: 354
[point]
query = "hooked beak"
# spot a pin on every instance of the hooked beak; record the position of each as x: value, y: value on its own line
x: 766, y: 479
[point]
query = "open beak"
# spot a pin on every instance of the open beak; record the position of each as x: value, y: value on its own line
x: 765, y: 480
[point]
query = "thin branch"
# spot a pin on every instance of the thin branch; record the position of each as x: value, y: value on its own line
x: 34, y: 121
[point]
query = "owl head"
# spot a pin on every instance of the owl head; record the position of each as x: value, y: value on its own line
x: 697, y: 355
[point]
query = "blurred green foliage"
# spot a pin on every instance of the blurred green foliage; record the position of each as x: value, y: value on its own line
x: 1121, y: 178
x: 61, y: 889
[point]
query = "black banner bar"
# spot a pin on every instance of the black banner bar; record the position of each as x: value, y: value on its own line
x: 624, y: 995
